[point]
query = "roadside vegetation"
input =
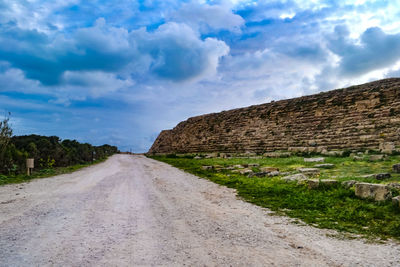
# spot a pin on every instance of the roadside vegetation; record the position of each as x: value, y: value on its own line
x: 51, y: 155
x: 44, y: 173
x: 333, y: 207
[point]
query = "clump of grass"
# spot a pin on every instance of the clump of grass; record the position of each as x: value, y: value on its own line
x: 326, y: 207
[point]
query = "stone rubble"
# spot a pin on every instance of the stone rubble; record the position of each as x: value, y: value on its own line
x: 378, y: 192
x: 325, y: 166
x: 314, y: 159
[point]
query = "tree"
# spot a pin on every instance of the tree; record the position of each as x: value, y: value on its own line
x: 5, y: 138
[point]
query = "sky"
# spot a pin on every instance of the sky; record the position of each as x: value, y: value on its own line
x: 119, y: 72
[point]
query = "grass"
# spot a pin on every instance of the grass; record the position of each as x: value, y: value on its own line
x: 44, y: 173
x: 333, y: 207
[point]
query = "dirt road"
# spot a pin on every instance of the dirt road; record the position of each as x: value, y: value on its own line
x: 132, y: 211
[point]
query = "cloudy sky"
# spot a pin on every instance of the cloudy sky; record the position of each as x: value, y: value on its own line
x: 119, y: 72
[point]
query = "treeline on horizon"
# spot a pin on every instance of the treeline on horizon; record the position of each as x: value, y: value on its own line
x: 48, y: 152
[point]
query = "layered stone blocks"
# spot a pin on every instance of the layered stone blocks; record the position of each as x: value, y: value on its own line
x: 359, y: 117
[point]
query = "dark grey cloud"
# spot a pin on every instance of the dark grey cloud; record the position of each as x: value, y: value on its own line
x: 177, y: 53
x: 173, y: 52
x: 372, y: 51
x: 45, y: 58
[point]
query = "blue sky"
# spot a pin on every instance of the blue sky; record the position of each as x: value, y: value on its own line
x: 119, y: 72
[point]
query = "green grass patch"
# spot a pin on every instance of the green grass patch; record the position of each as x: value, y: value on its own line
x: 326, y: 207
x: 44, y: 173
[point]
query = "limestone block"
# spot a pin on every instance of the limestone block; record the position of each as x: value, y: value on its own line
x: 333, y: 153
x: 314, y: 159
x: 309, y: 170
x: 376, y: 157
x: 207, y: 167
x: 238, y: 166
x: 269, y: 169
x: 378, y: 192
x: 274, y: 173
x: 245, y: 171
x: 387, y: 147
x: 357, y: 158
x: 325, y: 166
x: 295, y: 177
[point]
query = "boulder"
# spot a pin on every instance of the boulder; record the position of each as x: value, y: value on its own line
x: 376, y: 157
x: 207, y: 167
x: 238, y: 166
x: 368, y: 176
x: 387, y: 147
x: 377, y: 176
x: 394, y: 186
x: 333, y: 153
x: 325, y: 166
x: 309, y: 170
x: 396, y: 201
x: 197, y: 157
x: 349, y: 183
x: 249, y: 154
x: 269, y: 169
x: 396, y: 168
x: 277, y: 154
x: 253, y: 165
x: 245, y: 171
x: 378, y: 192
x: 273, y: 173
x: 295, y: 177
x: 314, y: 159
x: 357, y: 158
x: 382, y: 176
x: 229, y: 168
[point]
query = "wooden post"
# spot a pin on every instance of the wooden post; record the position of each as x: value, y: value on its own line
x: 29, y: 166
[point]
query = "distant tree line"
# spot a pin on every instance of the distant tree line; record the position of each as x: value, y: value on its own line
x: 48, y: 151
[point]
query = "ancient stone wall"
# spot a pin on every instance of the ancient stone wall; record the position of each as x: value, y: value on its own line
x: 359, y: 117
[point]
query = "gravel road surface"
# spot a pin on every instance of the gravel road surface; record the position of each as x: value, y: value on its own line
x: 134, y: 211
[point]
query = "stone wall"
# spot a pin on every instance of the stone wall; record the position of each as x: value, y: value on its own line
x: 359, y: 117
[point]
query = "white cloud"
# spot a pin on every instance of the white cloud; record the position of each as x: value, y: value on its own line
x: 176, y: 52
x: 208, y: 18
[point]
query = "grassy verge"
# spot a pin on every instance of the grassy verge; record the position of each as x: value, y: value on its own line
x: 44, y: 173
x: 333, y: 207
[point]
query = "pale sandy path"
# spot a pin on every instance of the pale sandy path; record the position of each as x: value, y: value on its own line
x: 134, y: 211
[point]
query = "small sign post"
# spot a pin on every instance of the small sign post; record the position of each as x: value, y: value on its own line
x: 29, y: 166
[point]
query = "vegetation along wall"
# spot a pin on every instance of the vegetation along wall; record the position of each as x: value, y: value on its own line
x: 359, y: 117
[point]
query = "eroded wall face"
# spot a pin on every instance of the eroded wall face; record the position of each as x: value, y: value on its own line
x: 365, y: 116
